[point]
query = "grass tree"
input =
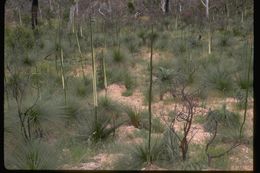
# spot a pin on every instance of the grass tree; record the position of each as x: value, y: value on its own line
x: 94, y: 76
x: 61, y: 58
x: 73, y: 9
x: 206, y: 5
x: 103, y: 57
x: 152, y: 39
x: 18, y: 84
x: 78, y: 32
x: 102, y: 63
x: 33, y: 155
x: 104, y: 72
x: 102, y: 80
x: 80, y: 54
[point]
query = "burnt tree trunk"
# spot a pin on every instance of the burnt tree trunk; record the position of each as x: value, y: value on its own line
x: 34, y: 13
x: 167, y: 6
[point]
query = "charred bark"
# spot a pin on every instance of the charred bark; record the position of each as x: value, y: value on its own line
x: 35, y: 8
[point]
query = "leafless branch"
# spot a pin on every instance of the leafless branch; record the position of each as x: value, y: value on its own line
x: 193, y: 136
x: 204, y: 4
x: 236, y: 144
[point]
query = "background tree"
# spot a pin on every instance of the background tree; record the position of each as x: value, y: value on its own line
x: 35, y: 8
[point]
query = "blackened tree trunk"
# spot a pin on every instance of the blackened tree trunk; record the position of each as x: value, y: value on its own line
x: 34, y: 13
x: 167, y: 6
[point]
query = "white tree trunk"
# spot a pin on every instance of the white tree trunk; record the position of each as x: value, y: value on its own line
x: 50, y: 5
x: 71, y: 20
x: 81, y: 33
x: 40, y: 13
x: 242, y: 17
x: 227, y: 11
x: 163, y: 5
x: 77, y: 8
x: 207, y: 8
x: 209, y: 41
x: 20, y: 18
x: 206, y: 5
x: 176, y: 23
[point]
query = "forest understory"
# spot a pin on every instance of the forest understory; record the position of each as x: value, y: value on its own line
x: 128, y: 85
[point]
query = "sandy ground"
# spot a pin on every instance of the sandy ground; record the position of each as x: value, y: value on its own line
x: 160, y: 109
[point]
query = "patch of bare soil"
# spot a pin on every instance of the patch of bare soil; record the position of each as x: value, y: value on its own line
x: 197, y: 133
x: 242, y: 160
x: 105, y: 160
x: 115, y: 91
x: 84, y: 166
x: 126, y: 135
x: 159, y: 109
x: 249, y: 123
x: 157, y: 55
x: 78, y: 72
x: 152, y: 167
x: 100, y: 161
x: 216, y: 103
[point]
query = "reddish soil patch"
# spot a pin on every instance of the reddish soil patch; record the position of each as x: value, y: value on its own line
x: 87, y: 69
x: 152, y: 167
x: 126, y: 135
x: 242, y: 160
x: 115, y: 91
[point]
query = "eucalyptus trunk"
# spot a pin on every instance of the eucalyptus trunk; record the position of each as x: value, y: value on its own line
x: 71, y: 24
x: 176, y: 22
x: 34, y: 13
x: 20, y: 18
x: 209, y: 41
x: 50, y: 5
x: 80, y: 30
x: 80, y: 54
x: 242, y: 17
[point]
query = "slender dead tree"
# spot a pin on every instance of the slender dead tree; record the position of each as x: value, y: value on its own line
x: 211, y: 156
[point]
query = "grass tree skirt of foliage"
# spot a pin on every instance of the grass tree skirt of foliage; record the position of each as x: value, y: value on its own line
x: 128, y: 85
